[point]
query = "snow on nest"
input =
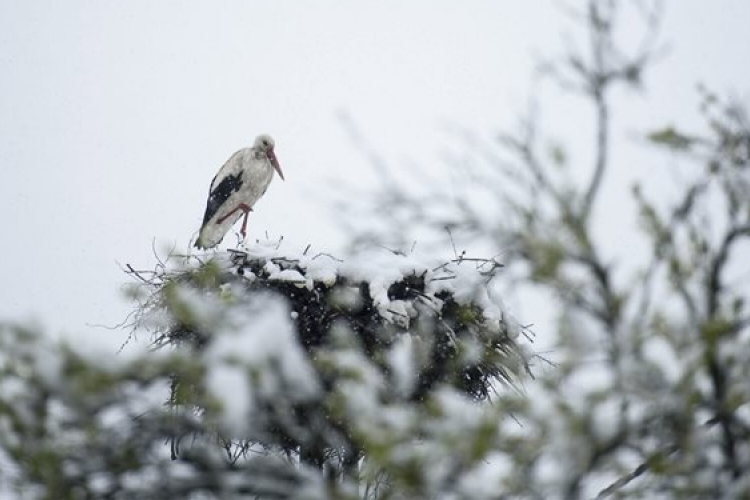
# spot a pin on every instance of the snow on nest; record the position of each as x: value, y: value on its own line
x: 470, y: 282
x: 260, y: 337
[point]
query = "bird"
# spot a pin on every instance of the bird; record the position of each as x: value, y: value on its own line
x: 238, y: 185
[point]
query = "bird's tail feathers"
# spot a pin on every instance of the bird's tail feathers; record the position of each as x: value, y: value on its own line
x: 199, y: 243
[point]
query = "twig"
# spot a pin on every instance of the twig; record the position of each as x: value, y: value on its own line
x: 138, y: 275
x: 453, y: 243
x: 623, y: 481
x: 325, y: 254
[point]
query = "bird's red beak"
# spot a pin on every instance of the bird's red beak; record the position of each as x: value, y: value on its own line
x: 275, y: 163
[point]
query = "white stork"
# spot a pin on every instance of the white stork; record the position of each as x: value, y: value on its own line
x: 242, y: 180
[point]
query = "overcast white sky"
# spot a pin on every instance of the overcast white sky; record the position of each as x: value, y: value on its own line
x: 114, y: 116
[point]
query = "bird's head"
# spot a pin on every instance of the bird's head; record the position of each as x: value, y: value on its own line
x: 264, y: 144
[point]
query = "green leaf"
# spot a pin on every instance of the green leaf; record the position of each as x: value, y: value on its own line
x: 671, y: 138
x: 715, y: 329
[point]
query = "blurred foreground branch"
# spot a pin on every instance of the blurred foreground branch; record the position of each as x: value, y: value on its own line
x: 648, y: 395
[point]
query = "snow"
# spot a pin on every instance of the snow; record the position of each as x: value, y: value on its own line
x: 100, y: 483
x: 381, y: 269
x: 253, y: 357
x: 396, y: 312
x: 271, y: 268
x: 485, y: 479
x: 287, y: 275
x: 322, y: 268
x: 401, y: 360
x: 230, y: 386
x: 469, y: 281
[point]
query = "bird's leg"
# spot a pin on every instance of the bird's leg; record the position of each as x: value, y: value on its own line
x: 247, y: 210
x: 241, y: 206
x: 243, y: 229
x: 222, y: 219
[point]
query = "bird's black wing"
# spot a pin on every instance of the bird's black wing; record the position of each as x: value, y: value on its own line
x: 220, y: 194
